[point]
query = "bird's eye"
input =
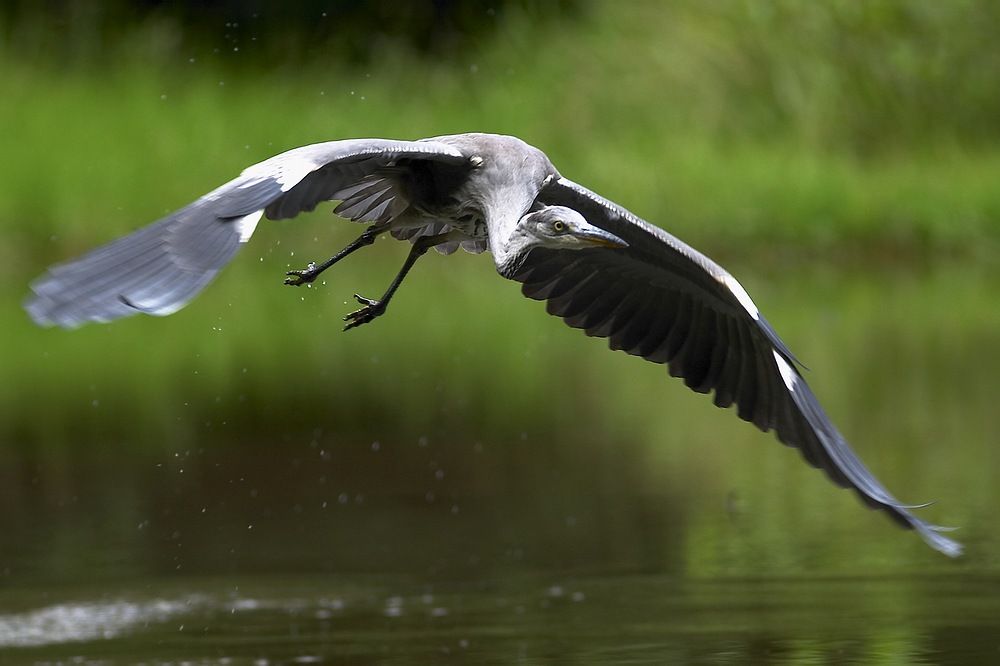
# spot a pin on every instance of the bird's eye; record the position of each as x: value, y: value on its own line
x: 559, y: 226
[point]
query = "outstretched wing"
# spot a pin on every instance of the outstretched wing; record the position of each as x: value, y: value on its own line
x: 666, y: 302
x: 159, y: 268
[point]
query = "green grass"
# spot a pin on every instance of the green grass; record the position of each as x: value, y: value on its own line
x: 682, y: 112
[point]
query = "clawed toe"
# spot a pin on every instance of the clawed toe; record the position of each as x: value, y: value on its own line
x: 304, y: 276
x: 372, y: 308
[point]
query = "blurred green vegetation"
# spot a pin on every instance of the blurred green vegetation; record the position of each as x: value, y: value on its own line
x: 775, y: 136
x: 257, y: 34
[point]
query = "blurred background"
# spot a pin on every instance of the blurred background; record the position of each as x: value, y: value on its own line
x: 840, y: 158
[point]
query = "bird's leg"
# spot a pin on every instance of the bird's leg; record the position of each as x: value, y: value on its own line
x: 310, y: 273
x: 376, y: 307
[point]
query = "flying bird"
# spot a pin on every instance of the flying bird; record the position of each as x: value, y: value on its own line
x: 595, y: 264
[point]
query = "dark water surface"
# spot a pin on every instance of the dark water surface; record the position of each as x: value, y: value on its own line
x: 672, y: 535
x: 263, y: 558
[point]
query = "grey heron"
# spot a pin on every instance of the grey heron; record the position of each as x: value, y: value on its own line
x: 598, y: 266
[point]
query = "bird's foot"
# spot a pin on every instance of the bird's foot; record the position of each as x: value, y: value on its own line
x: 372, y: 308
x: 304, y: 276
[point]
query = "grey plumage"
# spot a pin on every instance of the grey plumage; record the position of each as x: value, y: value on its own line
x: 598, y: 266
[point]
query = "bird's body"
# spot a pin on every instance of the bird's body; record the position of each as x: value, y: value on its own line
x: 598, y: 266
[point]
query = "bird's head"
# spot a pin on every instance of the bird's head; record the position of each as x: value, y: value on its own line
x: 561, y: 228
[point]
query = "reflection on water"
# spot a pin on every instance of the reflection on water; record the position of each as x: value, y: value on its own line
x: 553, y: 618
x: 82, y: 622
x: 671, y: 535
x: 275, y: 555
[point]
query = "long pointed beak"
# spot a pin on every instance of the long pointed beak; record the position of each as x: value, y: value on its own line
x: 600, y: 237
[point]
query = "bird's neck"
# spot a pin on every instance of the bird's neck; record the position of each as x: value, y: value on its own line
x: 509, y: 247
